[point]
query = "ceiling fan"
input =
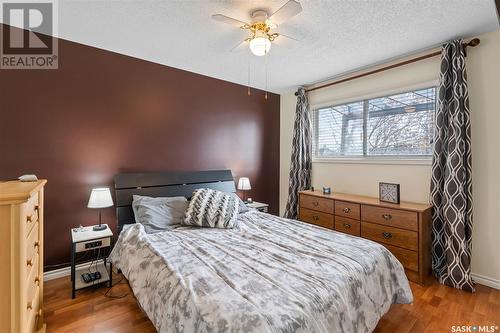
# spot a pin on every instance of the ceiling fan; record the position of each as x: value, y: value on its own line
x: 262, y: 26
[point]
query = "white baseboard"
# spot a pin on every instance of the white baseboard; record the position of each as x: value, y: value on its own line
x: 485, y: 280
x: 65, y: 271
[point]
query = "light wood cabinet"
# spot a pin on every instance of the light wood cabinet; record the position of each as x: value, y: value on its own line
x: 21, y: 255
x: 404, y: 229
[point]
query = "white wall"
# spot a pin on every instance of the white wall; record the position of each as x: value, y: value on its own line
x: 483, y: 69
x: 483, y: 66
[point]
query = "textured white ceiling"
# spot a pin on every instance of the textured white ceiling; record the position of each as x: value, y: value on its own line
x: 336, y: 36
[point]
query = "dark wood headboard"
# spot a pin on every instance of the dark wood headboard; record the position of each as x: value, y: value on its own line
x: 165, y: 184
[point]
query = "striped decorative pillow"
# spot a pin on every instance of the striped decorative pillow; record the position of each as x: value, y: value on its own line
x: 211, y: 208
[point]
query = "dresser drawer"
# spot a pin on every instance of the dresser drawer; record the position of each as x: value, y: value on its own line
x: 32, y: 211
x: 32, y: 266
x: 34, y: 312
x: 317, y: 218
x: 315, y: 203
x: 348, y: 226
x: 32, y: 281
x: 391, y: 217
x: 389, y: 235
x: 347, y: 209
x: 32, y: 242
x: 408, y: 258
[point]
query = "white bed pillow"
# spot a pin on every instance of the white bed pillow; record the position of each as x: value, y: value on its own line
x: 156, y: 214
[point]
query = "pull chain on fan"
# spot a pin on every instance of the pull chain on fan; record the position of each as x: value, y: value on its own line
x: 265, y: 95
x: 248, y: 92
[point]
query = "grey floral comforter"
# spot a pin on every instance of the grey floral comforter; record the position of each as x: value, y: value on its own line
x: 268, y: 274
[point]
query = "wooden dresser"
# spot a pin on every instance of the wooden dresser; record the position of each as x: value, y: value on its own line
x: 21, y: 256
x: 404, y: 229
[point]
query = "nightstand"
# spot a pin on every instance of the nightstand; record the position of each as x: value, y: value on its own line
x: 94, y: 247
x: 261, y: 207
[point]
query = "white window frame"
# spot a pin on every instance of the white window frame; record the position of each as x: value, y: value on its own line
x: 389, y: 160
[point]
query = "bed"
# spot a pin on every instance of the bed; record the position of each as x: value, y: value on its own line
x: 267, y: 274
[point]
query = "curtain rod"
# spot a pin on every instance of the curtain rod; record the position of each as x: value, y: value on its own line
x: 472, y: 43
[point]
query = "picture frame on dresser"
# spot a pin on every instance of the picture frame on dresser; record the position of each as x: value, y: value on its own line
x: 389, y: 192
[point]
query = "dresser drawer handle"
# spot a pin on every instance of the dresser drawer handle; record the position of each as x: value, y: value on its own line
x: 315, y: 217
x: 29, y: 262
x: 31, y: 217
x: 386, y: 235
x: 315, y: 203
x: 37, y: 281
x: 347, y: 225
x: 36, y: 245
x: 347, y: 210
x: 387, y: 217
x: 39, y: 313
x: 30, y: 306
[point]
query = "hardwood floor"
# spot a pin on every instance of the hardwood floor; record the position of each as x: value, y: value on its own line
x: 91, y: 311
x: 436, y: 308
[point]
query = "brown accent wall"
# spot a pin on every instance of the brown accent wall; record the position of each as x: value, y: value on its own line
x: 103, y: 113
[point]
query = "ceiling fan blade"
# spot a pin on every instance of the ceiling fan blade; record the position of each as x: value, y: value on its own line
x: 240, y: 46
x: 230, y: 20
x: 285, y: 42
x: 289, y: 37
x: 287, y: 11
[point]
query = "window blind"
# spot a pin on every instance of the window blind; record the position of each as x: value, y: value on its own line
x: 396, y: 125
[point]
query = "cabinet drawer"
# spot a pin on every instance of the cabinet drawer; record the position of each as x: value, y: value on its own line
x: 316, y: 203
x: 31, y: 266
x: 318, y: 218
x: 32, y: 282
x: 349, y: 226
x: 389, y: 235
x: 31, y: 211
x: 347, y: 209
x: 32, y: 242
x: 391, y: 217
x: 408, y: 258
x: 34, y: 312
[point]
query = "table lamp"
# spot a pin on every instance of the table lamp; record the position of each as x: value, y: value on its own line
x: 100, y: 198
x: 244, y: 185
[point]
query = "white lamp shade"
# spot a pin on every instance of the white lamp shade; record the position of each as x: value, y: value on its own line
x: 100, y: 198
x: 244, y: 184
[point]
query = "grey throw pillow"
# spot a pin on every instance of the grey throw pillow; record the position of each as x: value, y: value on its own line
x: 211, y: 208
x: 156, y: 214
x: 242, y: 207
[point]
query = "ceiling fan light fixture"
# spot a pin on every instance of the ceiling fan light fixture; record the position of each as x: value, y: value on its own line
x: 260, y: 46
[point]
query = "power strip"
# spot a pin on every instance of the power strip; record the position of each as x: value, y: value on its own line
x: 92, y: 244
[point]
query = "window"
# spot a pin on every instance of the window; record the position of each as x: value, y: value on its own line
x: 400, y: 125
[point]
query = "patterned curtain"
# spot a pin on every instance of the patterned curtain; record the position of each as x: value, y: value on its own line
x: 451, y: 182
x: 300, y: 168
